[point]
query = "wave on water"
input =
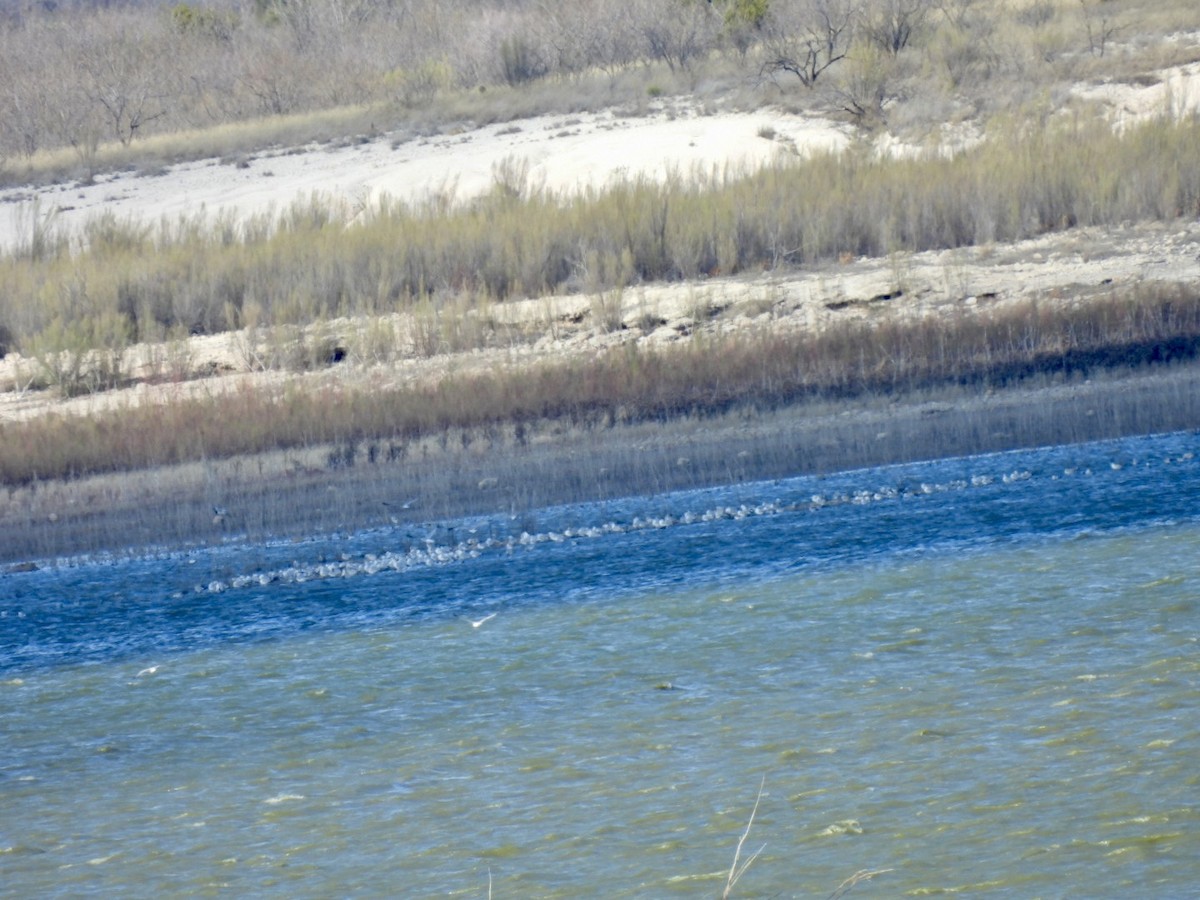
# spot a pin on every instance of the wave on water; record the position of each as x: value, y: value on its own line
x: 433, y: 553
x: 96, y: 610
x: 442, y: 544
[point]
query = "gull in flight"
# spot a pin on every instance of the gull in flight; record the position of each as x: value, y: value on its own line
x: 475, y: 623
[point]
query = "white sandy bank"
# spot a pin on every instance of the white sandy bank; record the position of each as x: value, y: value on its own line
x: 563, y: 153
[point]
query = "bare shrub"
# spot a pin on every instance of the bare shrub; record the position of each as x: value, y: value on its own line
x: 892, y: 24
x: 267, y: 74
x: 167, y: 356
x: 1101, y: 24
x: 959, y: 13
x: 864, y: 84
x: 807, y: 37
x: 677, y: 32
x: 1038, y: 13
x: 963, y: 50
x: 24, y: 125
x: 121, y: 76
x: 76, y: 123
x: 595, y: 36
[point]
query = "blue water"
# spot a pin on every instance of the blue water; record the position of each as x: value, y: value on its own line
x: 979, y: 674
x: 98, y: 610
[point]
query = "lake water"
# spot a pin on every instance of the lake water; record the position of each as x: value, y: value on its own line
x: 981, y: 675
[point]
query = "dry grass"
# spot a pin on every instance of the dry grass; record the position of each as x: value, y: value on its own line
x: 738, y: 868
x: 452, y: 266
x: 750, y: 368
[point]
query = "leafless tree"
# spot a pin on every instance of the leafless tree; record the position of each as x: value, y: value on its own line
x: 22, y: 119
x: 600, y: 35
x: 808, y: 37
x: 959, y: 13
x: 676, y: 32
x: 122, y: 77
x: 28, y: 51
x: 267, y: 72
x: 1099, y: 20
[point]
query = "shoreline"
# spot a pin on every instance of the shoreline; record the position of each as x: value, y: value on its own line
x: 272, y: 497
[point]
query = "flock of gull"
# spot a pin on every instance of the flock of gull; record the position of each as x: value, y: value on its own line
x: 440, y: 545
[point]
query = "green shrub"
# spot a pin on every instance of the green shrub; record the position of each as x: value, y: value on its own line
x: 83, y: 355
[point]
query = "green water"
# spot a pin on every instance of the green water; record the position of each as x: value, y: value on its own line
x: 1017, y: 720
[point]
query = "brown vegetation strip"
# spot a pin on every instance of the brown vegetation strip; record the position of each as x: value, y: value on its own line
x: 710, y: 375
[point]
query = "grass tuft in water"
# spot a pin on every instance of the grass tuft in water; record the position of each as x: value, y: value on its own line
x: 738, y: 868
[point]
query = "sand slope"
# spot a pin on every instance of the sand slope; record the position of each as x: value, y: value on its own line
x: 562, y: 152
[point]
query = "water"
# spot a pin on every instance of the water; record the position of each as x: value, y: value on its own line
x: 980, y: 675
